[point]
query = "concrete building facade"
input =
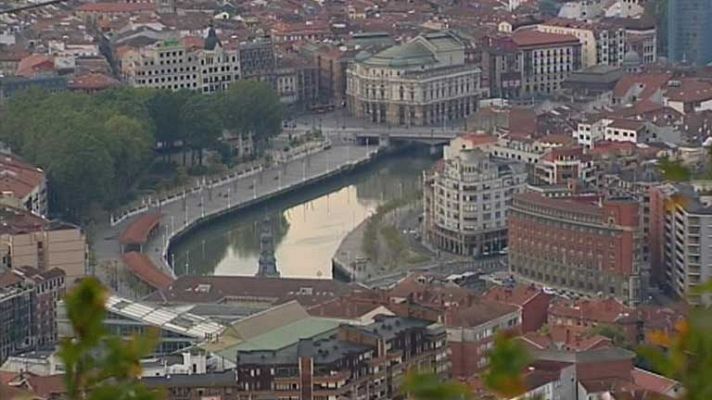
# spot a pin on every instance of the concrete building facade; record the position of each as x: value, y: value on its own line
x: 547, y: 59
x: 15, y: 315
x: 465, y: 202
x: 174, y: 65
x: 680, y: 239
x: 29, y: 240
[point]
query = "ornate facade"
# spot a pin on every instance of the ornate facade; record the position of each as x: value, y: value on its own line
x: 422, y: 82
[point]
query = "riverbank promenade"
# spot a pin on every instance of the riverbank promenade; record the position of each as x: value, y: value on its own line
x: 209, y: 200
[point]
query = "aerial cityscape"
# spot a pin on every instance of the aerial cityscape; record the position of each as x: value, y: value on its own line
x: 356, y: 199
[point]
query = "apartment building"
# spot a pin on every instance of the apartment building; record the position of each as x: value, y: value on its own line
x: 346, y: 362
x: 425, y: 81
x: 681, y: 238
x: 49, y: 288
x: 601, y: 42
x: 546, y: 60
x: 530, y: 63
x: 585, y: 244
x: 15, y: 315
x: 179, y: 64
x: 471, y: 331
x: 29, y: 240
x: 562, y: 165
x: 465, y: 201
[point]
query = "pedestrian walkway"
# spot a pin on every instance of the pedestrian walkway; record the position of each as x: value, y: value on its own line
x: 209, y: 200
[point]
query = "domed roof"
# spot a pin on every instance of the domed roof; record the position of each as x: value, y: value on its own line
x: 631, y: 58
x: 404, y: 55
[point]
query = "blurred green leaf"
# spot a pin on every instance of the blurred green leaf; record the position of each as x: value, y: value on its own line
x: 507, y: 360
x: 431, y: 387
x: 100, y: 366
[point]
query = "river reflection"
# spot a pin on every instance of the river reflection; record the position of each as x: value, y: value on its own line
x: 307, y: 226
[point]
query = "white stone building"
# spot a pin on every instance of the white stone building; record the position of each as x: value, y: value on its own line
x: 173, y: 65
x: 465, y: 202
x: 425, y: 81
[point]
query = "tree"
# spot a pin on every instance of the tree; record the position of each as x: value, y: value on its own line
x: 673, y: 170
x: 687, y: 355
x: 100, y: 366
x: 615, y: 333
x: 91, y: 148
x: 130, y: 146
x: 253, y: 108
x: 431, y: 387
x: 507, y: 361
x: 201, y: 123
x: 165, y: 108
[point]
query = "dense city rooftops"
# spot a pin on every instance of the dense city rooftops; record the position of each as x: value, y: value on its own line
x: 219, y: 289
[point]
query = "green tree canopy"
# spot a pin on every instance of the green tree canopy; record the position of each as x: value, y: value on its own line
x: 253, y: 108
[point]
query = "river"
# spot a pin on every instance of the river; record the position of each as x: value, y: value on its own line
x: 307, y: 226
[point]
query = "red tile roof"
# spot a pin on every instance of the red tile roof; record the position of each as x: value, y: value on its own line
x: 478, y: 139
x: 139, y: 229
x: 344, y: 308
x: 144, y: 269
x: 601, y: 311
x: 19, y: 220
x: 19, y: 177
x: 627, y: 124
x: 92, y: 81
x: 691, y: 90
x: 116, y: 7
x: 653, y: 382
x: 519, y: 295
x: 526, y: 38
x: 34, y: 64
x: 9, y: 278
x: 648, y: 83
x: 478, y: 313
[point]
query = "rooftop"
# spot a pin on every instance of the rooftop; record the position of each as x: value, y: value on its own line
x: 219, y: 289
x: 526, y: 38
x: 166, y: 318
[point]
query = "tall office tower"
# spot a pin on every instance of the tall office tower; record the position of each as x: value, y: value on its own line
x: 690, y: 31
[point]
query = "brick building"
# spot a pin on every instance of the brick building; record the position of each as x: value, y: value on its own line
x: 532, y: 300
x: 471, y: 330
x: 585, y: 244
